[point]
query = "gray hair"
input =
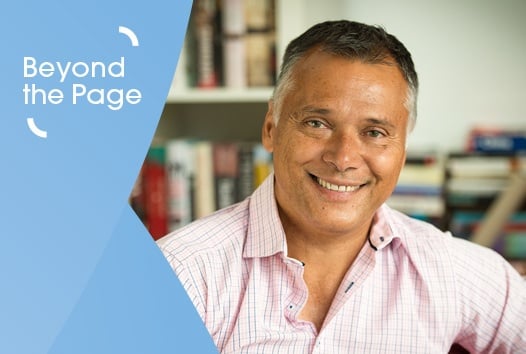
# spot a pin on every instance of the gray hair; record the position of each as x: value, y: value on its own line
x: 355, y: 41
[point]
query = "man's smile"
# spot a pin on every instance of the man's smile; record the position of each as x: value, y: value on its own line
x: 337, y: 188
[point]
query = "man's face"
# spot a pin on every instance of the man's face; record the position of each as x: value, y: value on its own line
x: 339, y: 143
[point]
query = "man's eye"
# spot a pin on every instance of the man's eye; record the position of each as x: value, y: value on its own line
x: 375, y: 133
x: 315, y: 124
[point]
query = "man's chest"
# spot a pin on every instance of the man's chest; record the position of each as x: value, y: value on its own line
x: 265, y: 312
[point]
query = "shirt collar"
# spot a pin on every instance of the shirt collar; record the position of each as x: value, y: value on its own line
x: 265, y: 234
x: 266, y: 237
x: 382, y: 232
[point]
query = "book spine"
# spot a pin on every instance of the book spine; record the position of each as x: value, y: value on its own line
x: 433, y: 206
x: 203, y: 20
x: 155, y: 192
x: 225, y: 161
x: 259, y: 59
x: 233, y: 17
x: 502, y: 143
x: 179, y: 167
x: 234, y: 62
x: 260, y: 43
x: 246, y: 170
x: 204, y: 194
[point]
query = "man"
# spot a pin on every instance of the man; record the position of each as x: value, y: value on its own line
x: 314, y: 261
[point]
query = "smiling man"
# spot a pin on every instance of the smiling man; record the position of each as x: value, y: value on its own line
x: 314, y: 261
x: 338, y: 149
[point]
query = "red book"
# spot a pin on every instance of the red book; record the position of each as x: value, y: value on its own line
x: 155, y: 192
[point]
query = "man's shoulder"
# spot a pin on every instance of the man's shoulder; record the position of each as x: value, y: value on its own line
x: 413, y: 230
x: 427, y: 244
x: 224, y: 229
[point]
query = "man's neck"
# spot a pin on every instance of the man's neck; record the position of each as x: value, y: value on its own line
x: 324, y: 250
x: 326, y: 261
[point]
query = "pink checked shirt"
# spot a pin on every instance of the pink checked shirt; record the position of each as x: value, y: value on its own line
x: 412, y: 288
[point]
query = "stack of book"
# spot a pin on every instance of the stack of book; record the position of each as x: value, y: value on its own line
x: 503, y: 140
x: 419, y: 191
x: 184, y: 179
x: 229, y: 43
x: 475, y: 179
x: 478, y: 181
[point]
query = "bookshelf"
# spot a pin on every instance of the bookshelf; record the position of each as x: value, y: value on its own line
x: 219, y: 112
x: 204, y: 113
x: 212, y: 120
x: 218, y: 95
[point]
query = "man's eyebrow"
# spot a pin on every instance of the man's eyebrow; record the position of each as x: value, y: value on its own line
x: 379, y: 121
x: 315, y: 110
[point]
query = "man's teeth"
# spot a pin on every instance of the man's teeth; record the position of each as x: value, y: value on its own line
x: 335, y: 187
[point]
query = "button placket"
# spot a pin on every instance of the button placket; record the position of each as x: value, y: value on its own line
x: 299, y: 290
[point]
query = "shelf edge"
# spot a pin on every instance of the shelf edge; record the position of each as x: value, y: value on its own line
x: 219, y: 95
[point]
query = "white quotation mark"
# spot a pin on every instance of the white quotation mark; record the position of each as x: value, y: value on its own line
x: 131, y: 35
x: 43, y: 133
x: 36, y: 130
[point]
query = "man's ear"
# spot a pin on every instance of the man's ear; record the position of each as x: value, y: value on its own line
x: 267, y: 131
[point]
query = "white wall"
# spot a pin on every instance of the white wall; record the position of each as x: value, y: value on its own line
x: 470, y: 56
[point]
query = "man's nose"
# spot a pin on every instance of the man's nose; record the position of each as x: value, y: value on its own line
x: 344, y: 151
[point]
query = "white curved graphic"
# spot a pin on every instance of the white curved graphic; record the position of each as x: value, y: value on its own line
x: 36, y: 130
x: 131, y: 35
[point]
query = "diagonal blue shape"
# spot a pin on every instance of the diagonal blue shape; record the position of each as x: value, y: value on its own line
x: 133, y: 303
x: 62, y: 196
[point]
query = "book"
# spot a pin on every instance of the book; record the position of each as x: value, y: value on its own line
x: 422, y: 168
x: 478, y: 164
x: 259, y: 15
x: 226, y: 170
x: 234, y: 62
x: 418, y: 205
x: 233, y: 22
x: 246, y: 170
x: 204, y: 191
x: 155, y: 192
x: 260, y: 42
x: 483, y: 186
x: 203, y: 22
x: 185, y: 179
x: 180, y: 181
x: 419, y: 189
x: 497, y: 139
x: 260, y: 59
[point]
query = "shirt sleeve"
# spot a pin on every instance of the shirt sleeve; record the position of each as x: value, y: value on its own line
x: 193, y: 284
x: 492, y: 301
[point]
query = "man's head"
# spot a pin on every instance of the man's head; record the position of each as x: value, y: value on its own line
x: 354, y: 41
x: 338, y: 127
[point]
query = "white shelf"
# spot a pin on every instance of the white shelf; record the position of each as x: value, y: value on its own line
x: 219, y: 95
